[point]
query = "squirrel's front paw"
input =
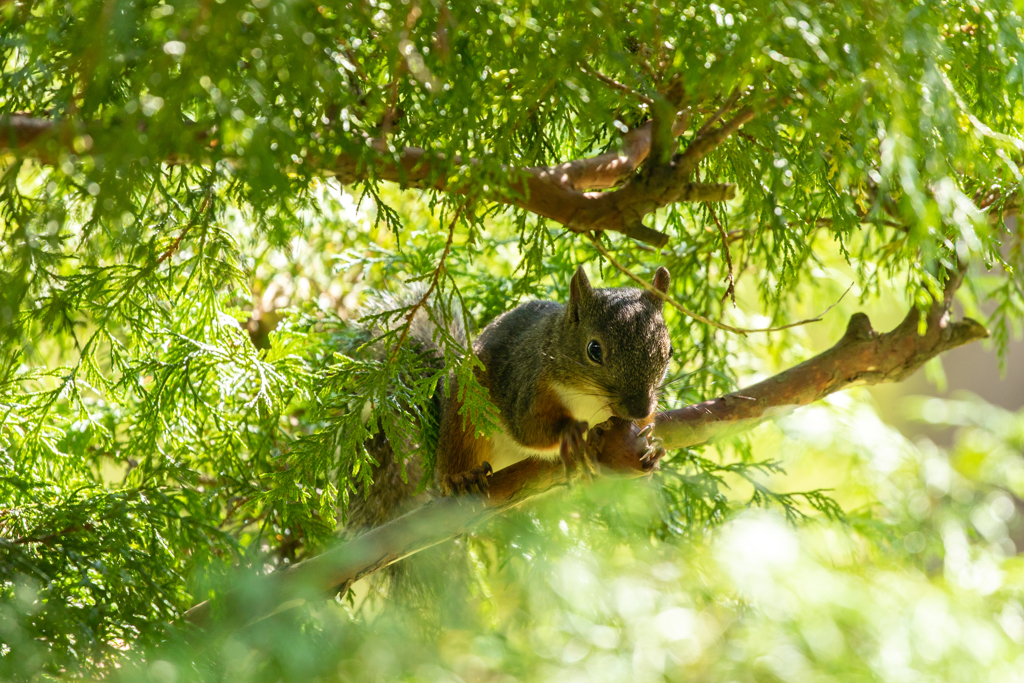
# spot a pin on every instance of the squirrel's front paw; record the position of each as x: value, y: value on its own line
x: 470, y: 481
x: 654, y: 450
x: 573, y: 451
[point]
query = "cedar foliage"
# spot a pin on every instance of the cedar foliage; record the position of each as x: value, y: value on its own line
x: 180, y: 387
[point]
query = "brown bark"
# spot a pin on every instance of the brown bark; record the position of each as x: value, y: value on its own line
x: 567, y: 193
x: 861, y: 356
x: 435, y: 522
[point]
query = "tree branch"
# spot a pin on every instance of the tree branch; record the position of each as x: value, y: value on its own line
x: 557, y: 192
x: 708, y: 140
x: 861, y: 356
x: 615, y: 85
x: 442, y: 519
x: 659, y: 185
x: 607, y: 170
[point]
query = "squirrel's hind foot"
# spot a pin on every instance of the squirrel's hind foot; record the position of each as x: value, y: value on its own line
x: 470, y: 481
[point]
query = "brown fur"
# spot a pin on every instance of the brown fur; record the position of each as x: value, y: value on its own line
x: 460, y: 447
x: 531, y: 349
x: 543, y: 426
x: 388, y: 496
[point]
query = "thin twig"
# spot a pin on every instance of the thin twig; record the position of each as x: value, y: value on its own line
x: 697, y: 316
x: 701, y: 145
x: 656, y: 11
x: 45, y: 540
x: 716, y: 117
x: 87, y: 69
x: 184, y: 231
x: 743, y: 233
x: 174, y: 247
x: 433, y: 283
x: 238, y: 504
x: 621, y: 87
x: 730, y: 292
x: 389, y: 115
x: 401, y: 68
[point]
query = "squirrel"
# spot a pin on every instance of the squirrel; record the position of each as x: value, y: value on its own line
x: 553, y: 372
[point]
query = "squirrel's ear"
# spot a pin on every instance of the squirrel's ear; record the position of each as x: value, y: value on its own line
x: 662, y: 279
x: 579, y: 293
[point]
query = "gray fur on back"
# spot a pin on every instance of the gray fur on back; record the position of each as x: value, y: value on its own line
x: 508, y: 348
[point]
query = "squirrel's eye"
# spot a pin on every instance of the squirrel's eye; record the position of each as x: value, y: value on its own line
x: 671, y: 350
x: 594, y: 351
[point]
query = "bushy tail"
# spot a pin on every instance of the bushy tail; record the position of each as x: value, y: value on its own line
x: 429, y: 315
x: 390, y: 495
x: 423, y: 329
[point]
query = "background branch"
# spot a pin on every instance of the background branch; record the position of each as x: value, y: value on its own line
x: 623, y: 210
x: 439, y: 520
x: 556, y: 192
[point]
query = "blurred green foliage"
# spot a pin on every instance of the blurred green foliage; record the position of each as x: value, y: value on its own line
x: 922, y: 583
x: 182, y: 390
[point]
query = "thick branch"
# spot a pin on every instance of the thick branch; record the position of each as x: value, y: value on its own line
x: 556, y: 192
x: 862, y: 356
x: 660, y: 185
x: 436, y: 522
x: 610, y: 169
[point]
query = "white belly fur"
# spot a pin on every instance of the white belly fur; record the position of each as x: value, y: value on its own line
x: 585, y: 407
x: 507, y: 451
x: 590, y: 407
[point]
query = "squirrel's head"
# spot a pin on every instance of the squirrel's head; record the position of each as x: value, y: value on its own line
x: 616, y: 344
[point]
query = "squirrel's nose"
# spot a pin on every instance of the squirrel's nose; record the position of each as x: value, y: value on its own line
x: 638, y: 406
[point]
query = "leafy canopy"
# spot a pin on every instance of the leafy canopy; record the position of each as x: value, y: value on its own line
x: 181, y: 388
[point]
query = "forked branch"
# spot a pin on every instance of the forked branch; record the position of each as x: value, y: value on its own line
x: 569, y: 193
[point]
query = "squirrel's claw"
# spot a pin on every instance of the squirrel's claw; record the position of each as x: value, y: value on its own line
x: 589, y: 464
x: 654, y: 449
x: 470, y: 481
x: 652, y: 456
